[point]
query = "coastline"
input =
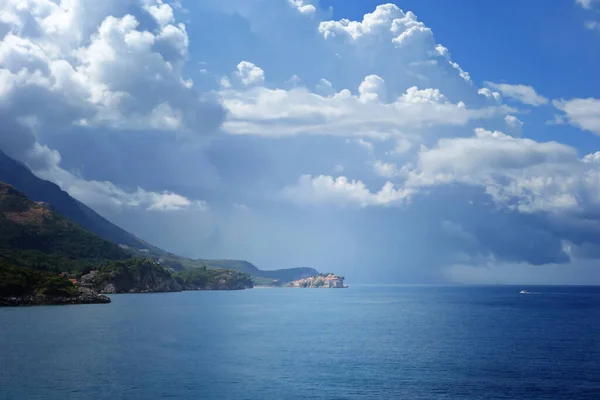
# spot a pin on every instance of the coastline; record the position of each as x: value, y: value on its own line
x: 83, y: 296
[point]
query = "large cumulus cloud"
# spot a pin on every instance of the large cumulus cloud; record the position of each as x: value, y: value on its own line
x: 120, y: 74
x: 94, y: 65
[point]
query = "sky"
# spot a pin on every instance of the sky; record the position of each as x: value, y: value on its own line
x: 418, y: 141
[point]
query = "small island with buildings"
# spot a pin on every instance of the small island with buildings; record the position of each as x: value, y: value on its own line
x: 326, y: 281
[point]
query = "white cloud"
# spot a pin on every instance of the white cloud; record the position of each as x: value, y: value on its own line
x: 107, y: 194
x: 386, y: 170
x: 582, y: 113
x: 276, y: 112
x: 404, y: 27
x: 303, y: 6
x: 96, y: 68
x: 513, y: 121
x: 592, y: 25
x: 161, y: 12
x: 363, y: 143
x: 250, y: 74
x: 168, y: 201
x: 489, y: 94
x: 402, y: 146
x: 518, y: 173
x: 444, y: 52
x: 396, y: 46
x: 522, y: 93
x: 558, y: 120
x: 429, y: 96
x: 294, y: 81
x: 164, y: 117
x: 514, y: 124
x: 463, y: 74
x: 383, y: 100
x: 327, y: 190
x: 325, y: 87
x: 372, y: 89
x: 176, y: 4
x: 587, y: 4
x: 488, y: 151
x: 225, y: 83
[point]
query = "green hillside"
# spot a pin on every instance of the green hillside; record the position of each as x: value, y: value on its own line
x: 36, y: 244
x: 214, y: 279
x: 90, y: 252
x: 17, y: 281
x: 32, y: 235
x: 19, y: 176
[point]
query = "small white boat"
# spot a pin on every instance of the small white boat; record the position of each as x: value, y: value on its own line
x: 523, y: 292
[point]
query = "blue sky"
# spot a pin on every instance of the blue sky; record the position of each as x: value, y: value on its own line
x: 510, y: 40
x: 418, y: 141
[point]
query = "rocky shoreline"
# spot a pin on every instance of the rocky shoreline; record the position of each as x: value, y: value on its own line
x: 83, y: 296
x: 147, y: 277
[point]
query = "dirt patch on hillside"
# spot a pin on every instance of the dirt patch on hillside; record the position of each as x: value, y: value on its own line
x: 35, y: 215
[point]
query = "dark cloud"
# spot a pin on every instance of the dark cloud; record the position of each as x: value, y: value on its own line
x: 18, y: 141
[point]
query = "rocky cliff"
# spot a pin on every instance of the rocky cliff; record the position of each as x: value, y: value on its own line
x: 327, y: 281
x: 131, y: 276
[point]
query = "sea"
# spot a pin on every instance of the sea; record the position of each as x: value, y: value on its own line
x: 364, y: 342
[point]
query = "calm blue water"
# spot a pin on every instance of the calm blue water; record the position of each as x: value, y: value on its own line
x: 360, y: 343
